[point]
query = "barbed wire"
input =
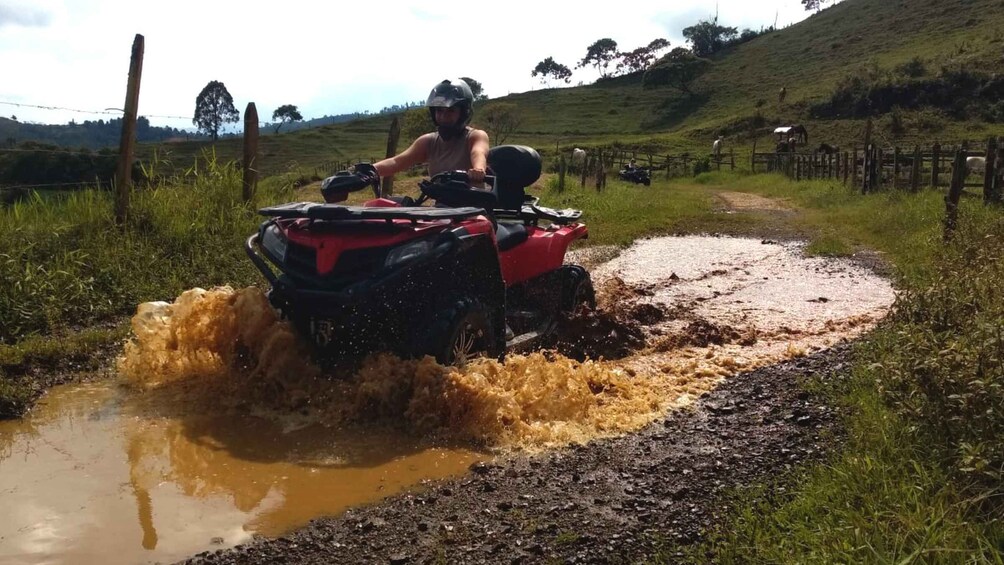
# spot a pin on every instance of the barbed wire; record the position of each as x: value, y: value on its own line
x: 60, y: 151
x: 49, y: 185
x: 103, y: 112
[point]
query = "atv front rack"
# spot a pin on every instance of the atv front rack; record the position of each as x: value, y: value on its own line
x: 316, y: 211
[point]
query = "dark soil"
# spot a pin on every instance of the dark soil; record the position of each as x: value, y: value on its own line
x: 641, y: 496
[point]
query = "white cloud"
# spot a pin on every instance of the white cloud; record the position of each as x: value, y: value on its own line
x: 327, y: 58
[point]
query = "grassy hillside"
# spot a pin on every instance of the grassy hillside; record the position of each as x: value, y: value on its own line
x: 737, y: 97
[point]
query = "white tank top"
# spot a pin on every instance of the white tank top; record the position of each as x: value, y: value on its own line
x: 450, y: 155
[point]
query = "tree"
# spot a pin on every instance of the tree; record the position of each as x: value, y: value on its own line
x: 415, y: 122
x: 813, y: 4
x: 287, y: 113
x: 599, y: 55
x: 477, y: 89
x: 707, y: 37
x: 642, y: 57
x: 213, y: 108
x: 676, y: 69
x: 501, y: 119
x: 549, y: 68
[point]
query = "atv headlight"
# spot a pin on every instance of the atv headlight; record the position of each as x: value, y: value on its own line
x: 274, y: 243
x: 407, y: 252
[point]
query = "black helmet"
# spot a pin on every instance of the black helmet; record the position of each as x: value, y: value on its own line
x: 448, y: 94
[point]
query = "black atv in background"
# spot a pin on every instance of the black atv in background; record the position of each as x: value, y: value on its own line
x: 637, y: 175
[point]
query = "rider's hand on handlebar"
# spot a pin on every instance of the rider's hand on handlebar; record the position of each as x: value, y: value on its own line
x: 476, y: 175
x: 367, y: 172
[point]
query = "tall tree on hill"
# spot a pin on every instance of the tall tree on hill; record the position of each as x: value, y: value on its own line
x: 287, y: 113
x: 599, y: 55
x: 214, y: 107
x: 677, y: 69
x: 814, y: 4
x: 706, y: 37
x: 477, y: 89
x: 501, y: 119
x: 551, y: 68
x: 642, y: 57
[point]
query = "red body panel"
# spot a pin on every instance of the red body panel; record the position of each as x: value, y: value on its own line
x: 370, y: 233
x: 543, y: 251
x: 380, y: 203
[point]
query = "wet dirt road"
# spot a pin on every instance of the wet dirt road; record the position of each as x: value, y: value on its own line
x: 210, y: 444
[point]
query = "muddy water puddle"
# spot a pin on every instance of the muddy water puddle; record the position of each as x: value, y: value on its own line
x: 220, y: 428
x: 99, y: 474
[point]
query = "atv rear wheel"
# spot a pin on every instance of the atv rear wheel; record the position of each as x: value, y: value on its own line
x: 461, y: 332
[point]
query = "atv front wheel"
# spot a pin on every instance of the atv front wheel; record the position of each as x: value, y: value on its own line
x: 578, y: 290
x: 461, y: 332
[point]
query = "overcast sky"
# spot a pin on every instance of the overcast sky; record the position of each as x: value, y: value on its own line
x: 326, y: 58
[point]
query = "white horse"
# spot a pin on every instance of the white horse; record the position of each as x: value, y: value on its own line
x: 578, y: 155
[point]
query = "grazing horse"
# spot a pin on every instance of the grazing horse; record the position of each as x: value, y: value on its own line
x: 975, y: 165
x: 827, y: 149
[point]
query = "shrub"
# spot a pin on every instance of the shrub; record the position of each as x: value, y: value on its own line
x: 914, y: 68
x: 702, y: 166
x: 945, y: 368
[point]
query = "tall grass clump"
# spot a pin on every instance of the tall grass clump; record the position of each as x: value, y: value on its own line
x: 64, y: 263
x: 945, y: 370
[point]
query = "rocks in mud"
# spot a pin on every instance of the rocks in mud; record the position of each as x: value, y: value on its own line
x: 596, y: 334
x: 702, y: 333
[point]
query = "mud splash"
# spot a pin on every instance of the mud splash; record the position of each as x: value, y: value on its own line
x: 231, y: 345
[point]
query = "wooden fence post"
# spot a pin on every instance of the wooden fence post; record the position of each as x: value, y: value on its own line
x: 879, y: 169
x: 599, y: 170
x: 249, y: 180
x: 866, y: 163
x: 854, y: 166
x: 998, y: 184
x: 935, y: 164
x: 915, y: 170
x: 956, y: 187
x: 989, y: 170
x: 753, y: 158
x: 895, y: 166
x: 954, y: 193
x: 387, y: 186
x: 127, y: 142
x: 585, y: 167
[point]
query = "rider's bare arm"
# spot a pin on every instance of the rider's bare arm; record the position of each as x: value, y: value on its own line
x: 417, y: 152
x: 479, y: 155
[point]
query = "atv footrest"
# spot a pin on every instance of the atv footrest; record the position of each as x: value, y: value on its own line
x: 561, y: 217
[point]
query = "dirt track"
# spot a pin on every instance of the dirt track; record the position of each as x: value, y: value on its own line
x: 617, y: 500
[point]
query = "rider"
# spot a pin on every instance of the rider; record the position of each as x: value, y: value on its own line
x: 454, y: 145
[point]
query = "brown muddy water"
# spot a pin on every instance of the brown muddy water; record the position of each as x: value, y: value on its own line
x: 218, y: 429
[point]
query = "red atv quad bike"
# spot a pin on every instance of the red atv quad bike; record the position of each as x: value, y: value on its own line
x: 479, y: 272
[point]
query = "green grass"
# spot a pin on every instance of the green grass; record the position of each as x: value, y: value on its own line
x: 73, y: 352
x: 69, y: 265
